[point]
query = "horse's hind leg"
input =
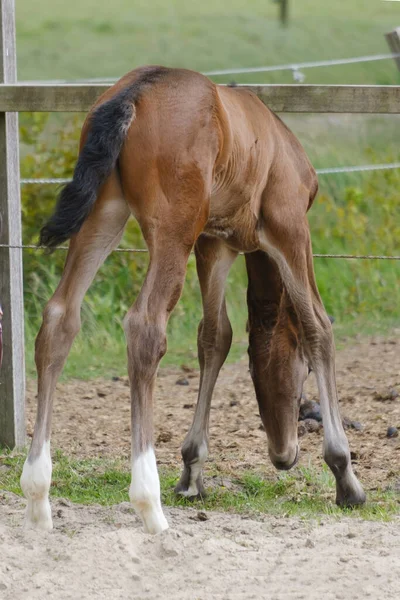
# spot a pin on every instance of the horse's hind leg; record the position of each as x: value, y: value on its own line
x: 213, y: 259
x: 170, y: 240
x: 61, y: 322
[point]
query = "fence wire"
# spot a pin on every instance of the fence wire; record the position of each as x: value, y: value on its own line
x: 144, y: 250
x: 294, y: 67
x: 327, y: 171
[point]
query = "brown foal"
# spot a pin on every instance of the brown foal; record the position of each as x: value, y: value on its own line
x: 209, y: 167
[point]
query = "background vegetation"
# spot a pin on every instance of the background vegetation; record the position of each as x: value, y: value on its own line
x: 87, y: 38
x: 353, y: 213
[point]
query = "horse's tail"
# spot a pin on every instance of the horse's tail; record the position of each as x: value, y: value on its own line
x: 108, y: 127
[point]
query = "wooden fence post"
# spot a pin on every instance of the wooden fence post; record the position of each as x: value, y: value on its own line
x: 284, y: 12
x: 12, y: 373
x: 393, y: 40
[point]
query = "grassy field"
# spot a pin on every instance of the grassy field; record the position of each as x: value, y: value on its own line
x: 86, y: 38
x: 354, y: 213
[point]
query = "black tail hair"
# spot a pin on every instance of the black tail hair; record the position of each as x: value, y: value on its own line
x: 108, y: 128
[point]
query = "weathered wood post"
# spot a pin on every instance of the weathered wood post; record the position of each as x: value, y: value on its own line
x: 393, y: 40
x: 12, y: 373
x: 284, y: 12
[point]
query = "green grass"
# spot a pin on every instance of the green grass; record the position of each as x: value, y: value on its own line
x: 85, y: 361
x: 305, y: 492
x: 102, y: 323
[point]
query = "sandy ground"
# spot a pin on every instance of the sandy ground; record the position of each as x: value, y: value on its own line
x: 96, y: 552
x: 93, y: 418
x: 101, y: 553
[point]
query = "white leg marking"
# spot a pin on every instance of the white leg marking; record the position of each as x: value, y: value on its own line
x: 195, y: 470
x: 35, y: 483
x: 144, y: 492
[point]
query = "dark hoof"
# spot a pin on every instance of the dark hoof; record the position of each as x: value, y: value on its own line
x: 193, y: 492
x: 184, y: 494
x: 346, y: 498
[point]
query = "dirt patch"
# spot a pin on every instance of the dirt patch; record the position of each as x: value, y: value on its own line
x: 97, y: 552
x: 101, y: 553
x: 93, y: 418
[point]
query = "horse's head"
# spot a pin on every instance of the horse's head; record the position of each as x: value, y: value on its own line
x: 278, y: 365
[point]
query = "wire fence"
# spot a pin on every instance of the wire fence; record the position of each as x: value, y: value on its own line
x: 298, y: 76
x: 325, y: 171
